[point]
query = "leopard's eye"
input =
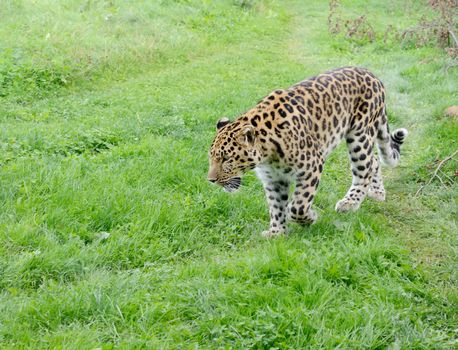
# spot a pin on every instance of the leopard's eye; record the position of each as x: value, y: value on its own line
x: 225, y: 158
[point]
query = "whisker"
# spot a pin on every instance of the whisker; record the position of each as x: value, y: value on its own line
x: 232, y: 184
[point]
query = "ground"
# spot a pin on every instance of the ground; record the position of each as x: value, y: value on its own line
x: 110, y: 235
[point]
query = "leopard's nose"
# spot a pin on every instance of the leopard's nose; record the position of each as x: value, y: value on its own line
x: 212, y: 174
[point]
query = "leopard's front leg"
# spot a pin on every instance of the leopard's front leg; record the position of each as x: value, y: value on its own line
x: 276, y: 186
x: 300, y: 209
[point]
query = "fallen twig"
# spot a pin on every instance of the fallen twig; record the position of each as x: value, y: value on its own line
x: 447, y: 176
x: 436, y: 172
x: 453, y: 36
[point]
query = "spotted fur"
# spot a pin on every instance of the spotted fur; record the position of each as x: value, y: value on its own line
x: 289, y: 134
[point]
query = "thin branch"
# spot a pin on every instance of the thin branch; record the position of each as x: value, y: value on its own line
x: 435, y: 174
x: 440, y: 179
x: 450, y: 31
x: 447, y: 176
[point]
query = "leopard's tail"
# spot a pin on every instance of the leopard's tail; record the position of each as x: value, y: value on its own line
x: 389, y: 145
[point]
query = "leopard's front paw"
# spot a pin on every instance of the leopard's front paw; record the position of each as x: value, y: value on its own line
x: 377, y: 194
x: 272, y: 233
x: 347, y: 204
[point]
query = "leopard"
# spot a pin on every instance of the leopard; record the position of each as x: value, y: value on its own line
x: 288, y: 135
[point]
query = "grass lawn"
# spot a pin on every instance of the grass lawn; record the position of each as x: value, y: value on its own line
x: 110, y: 235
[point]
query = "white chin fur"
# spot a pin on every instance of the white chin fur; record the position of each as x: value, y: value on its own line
x: 230, y: 190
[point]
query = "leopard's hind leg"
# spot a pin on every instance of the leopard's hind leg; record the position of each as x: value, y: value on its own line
x: 376, y: 189
x: 389, y: 146
x: 360, y: 142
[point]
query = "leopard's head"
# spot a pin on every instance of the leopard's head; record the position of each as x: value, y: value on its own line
x: 233, y: 152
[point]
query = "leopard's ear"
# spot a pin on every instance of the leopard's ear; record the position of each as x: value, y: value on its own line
x: 248, y: 136
x: 222, y: 122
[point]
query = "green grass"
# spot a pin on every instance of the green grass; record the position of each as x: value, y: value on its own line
x: 112, y: 238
